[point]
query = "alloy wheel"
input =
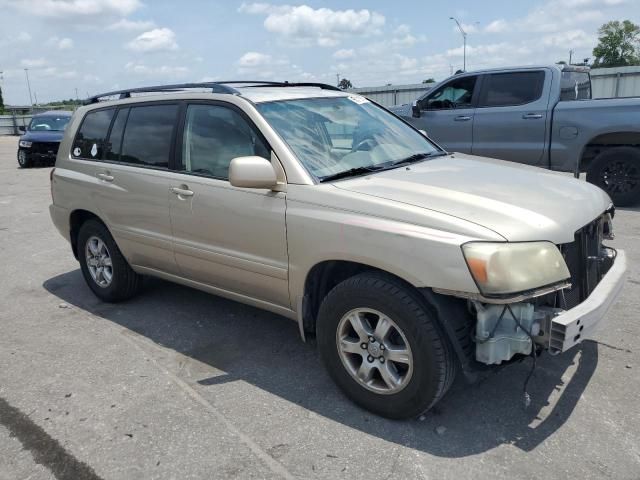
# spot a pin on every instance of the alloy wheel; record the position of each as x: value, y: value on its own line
x: 374, y: 350
x: 99, y: 261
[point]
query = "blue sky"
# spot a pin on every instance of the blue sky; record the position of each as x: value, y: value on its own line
x: 99, y: 45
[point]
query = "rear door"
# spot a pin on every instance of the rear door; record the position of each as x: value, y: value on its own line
x: 447, y: 114
x: 228, y: 237
x: 511, y: 116
x: 130, y: 166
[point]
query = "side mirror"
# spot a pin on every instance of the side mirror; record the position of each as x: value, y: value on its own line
x: 252, y: 172
x: 22, y: 128
x: 415, y: 109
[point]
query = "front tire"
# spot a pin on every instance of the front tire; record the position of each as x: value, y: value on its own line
x: 382, y: 345
x: 23, y: 159
x: 617, y: 171
x: 103, y: 266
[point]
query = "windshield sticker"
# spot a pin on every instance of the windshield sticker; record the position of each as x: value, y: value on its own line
x: 77, y: 152
x: 94, y: 150
x: 358, y: 99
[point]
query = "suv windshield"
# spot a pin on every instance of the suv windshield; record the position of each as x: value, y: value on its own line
x: 344, y: 134
x: 50, y: 123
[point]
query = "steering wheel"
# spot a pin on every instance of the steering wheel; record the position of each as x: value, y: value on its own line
x: 365, y: 145
x: 448, y: 104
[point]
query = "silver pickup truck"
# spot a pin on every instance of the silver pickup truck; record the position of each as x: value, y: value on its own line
x: 541, y: 116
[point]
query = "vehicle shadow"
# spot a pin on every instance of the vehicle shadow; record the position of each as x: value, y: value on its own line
x: 237, y: 339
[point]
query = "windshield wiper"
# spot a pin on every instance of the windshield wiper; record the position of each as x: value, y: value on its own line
x: 416, y: 157
x: 350, y: 173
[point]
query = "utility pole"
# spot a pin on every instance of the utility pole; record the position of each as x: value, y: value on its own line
x: 35, y: 94
x: 337, y: 79
x: 464, y: 43
x: 26, y: 72
x: 77, y: 97
x: 570, y: 56
x: 450, y: 69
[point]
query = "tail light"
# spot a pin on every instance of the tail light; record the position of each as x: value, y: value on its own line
x: 51, y: 181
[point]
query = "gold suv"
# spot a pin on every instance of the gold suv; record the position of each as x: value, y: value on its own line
x: 408, y: 263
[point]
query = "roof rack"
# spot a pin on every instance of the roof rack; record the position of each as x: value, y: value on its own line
x: 261, y: 83
x: 216, y: 87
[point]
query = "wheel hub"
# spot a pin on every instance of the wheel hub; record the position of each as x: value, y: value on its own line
x: 99, y: 262
x: 374, y: 350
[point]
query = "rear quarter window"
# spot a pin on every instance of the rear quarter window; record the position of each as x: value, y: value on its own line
x: 575, y: 86
x: 91, y: 138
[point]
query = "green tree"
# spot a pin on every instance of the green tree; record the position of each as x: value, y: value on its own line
x: 1, y: 102
x: 345, y: 83
x: 618, y: 45
x: 429, y: 80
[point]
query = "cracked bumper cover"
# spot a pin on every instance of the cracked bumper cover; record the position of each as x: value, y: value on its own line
x: 572, y: 326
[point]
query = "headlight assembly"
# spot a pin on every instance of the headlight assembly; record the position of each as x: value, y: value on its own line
x: 25, y: 144
x: 503, y: 268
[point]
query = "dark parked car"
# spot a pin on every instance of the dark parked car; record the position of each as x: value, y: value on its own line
x: 41, y: 139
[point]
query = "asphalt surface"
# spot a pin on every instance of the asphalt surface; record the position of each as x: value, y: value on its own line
x: 180, y: 384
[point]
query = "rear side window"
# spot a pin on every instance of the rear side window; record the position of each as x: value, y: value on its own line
x: 575, y: 86
x: 91, y: 138
x: 148, y: 135
x: 515, y: 88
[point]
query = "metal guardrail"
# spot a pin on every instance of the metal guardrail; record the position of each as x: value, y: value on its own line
x: 9, y: 123
x: 14, y: 117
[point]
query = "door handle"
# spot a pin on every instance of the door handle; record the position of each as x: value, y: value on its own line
x: 462, y: 118
x: 182, y: 192
x: 529, y: 116
x: 105, y: 176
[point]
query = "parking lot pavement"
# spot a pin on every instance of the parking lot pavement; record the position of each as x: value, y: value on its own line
x: 180, y: 384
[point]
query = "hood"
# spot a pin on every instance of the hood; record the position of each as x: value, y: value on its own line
x: 519, y: 202
x: 42, y: 136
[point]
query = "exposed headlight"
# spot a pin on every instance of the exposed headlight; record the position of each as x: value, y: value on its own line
x: 25, y: 144
x: 501, y: 268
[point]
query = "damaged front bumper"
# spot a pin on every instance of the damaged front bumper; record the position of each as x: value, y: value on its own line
x: 508, y: 329
x: 570, y: 327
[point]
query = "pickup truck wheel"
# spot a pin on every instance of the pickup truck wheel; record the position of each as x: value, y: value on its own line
x: 103, y: 266
x: 617, y: 172
x: 382, y: 347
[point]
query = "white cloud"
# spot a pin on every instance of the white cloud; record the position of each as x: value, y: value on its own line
x: 497, y: 26
x: 58, y: 73
x: 33, y: 62
x: 131, y: 25
x: 74, y: 8
x: 22, y: 37
x: 254, y: 59
x: 323, y: 26
x: 65, y: 44
x: 60, y: 43
x: 344, y: 54
x: 162, y: 71
x: 574, y: 38
x: 154, y: 40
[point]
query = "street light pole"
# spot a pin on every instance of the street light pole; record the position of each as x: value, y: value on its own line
x: 26, y: 72
x: 464, y: 43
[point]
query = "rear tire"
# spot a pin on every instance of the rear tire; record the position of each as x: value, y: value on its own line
x: 104, y: 268
x: 23, y: 159
x: 617, y: 171
x: 365, y: 300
